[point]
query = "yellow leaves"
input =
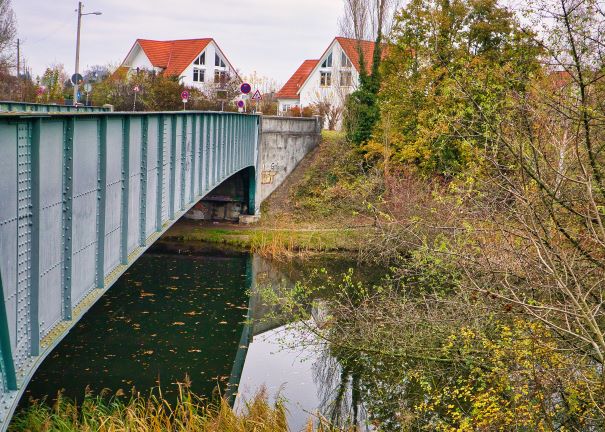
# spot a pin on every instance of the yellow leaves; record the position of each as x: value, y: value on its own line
x: 514, y: 379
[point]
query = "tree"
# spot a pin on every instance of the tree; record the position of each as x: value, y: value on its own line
x: 447, y: 81
x: 53, y: 82
x: 8, y: 31
x: 157, y: 92
x: 329, y: 107
x: 552, y: 265
x: 363, y: 18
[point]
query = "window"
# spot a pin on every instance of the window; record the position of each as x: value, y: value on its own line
x: 201, y: 60
x: 285, y: 108
x: 221, y: 77
x: 218, y: 62
x: 346, y: 79
x: 198, y: 75
x: 345, y: 62
x: 326, y: 79
x: 327, y: 62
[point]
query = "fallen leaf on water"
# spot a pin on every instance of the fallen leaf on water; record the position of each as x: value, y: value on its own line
x: 148, y: 352
x: 179, y: 323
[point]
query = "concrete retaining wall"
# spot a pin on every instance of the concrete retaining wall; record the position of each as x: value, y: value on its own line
x: 284, y: 141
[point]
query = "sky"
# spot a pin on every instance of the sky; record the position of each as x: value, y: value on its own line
x: 272, y: 37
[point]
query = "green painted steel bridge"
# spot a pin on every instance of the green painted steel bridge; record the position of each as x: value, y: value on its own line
x: 82, y: 196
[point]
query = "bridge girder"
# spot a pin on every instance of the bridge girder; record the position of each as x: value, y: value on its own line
x: 83, y: 196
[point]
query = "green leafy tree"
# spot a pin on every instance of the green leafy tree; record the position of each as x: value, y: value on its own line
x: 362, y: 110
x: 448, y: 80
x: 157, y: 92
x: 53, y: 81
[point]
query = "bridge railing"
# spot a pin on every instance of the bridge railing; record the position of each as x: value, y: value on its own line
x: 81, y: 197
x: 9, y: 106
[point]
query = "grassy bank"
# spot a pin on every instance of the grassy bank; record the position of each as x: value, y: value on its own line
x: 154, y: 414
x: 318, y: 209
x: 276, y: 242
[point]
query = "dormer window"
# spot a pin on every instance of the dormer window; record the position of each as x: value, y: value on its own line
x: 218, y: 62
x: 201, y: 60
x: 327, y: 62
x: 345, y: 62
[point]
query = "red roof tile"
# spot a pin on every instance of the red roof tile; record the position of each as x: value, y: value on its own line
x: 351, y: 49
x: 173, y: 56
x: 291, y: 88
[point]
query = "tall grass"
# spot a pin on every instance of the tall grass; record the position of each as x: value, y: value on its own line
x: 190, y: 413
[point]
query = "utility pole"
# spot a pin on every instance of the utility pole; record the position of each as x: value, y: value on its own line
x: 77, y: 84
x: 77, y: 71
x: 18, y: 58
x: 19, y: 69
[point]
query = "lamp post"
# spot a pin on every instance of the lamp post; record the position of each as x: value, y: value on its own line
x: 80, y: 15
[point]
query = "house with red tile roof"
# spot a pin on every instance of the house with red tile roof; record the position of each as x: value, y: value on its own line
x: 197, y: 62
x: 331, y: 78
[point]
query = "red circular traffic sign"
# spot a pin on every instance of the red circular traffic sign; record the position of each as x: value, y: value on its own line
x: 185, y: 95
x: 246, y: 88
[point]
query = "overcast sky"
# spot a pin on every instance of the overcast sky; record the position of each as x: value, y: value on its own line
x: 271, y: 37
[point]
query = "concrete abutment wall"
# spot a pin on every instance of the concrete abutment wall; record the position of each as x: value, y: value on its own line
x: 284, y: 142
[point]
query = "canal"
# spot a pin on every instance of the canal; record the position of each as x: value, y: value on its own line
x: 183, y: 311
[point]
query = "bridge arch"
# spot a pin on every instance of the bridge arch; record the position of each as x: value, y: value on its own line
x: 234, y: 197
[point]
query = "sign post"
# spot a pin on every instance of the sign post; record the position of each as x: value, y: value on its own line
x: 245, y: 88
x: 185, y: 97
x: 256, y: 98
x: 76, y: 80
x: 136, y: 90
x: 87, y: 90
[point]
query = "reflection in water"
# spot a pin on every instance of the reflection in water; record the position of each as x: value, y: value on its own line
x: 289, y: 365
x: 169, y: 316
x: 173, y: 315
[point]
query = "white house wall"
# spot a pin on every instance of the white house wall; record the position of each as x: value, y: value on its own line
x: 290, y: 103
x: 312, y: 92
x: 211, y: 50
x: 138, y: 58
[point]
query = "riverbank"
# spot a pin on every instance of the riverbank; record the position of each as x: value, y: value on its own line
x: 152, y: 413
x: 317, y: 210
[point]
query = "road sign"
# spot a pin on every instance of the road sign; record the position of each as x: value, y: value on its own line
x: 257, y: 96
x: 241, y: 104
x: 185, y: 96
x: 246, y: 88
x: 136, y: 89
x: 76, y: 79
x: 87, y: 88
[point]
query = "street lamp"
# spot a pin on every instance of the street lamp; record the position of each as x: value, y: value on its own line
x: 77, y: 83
